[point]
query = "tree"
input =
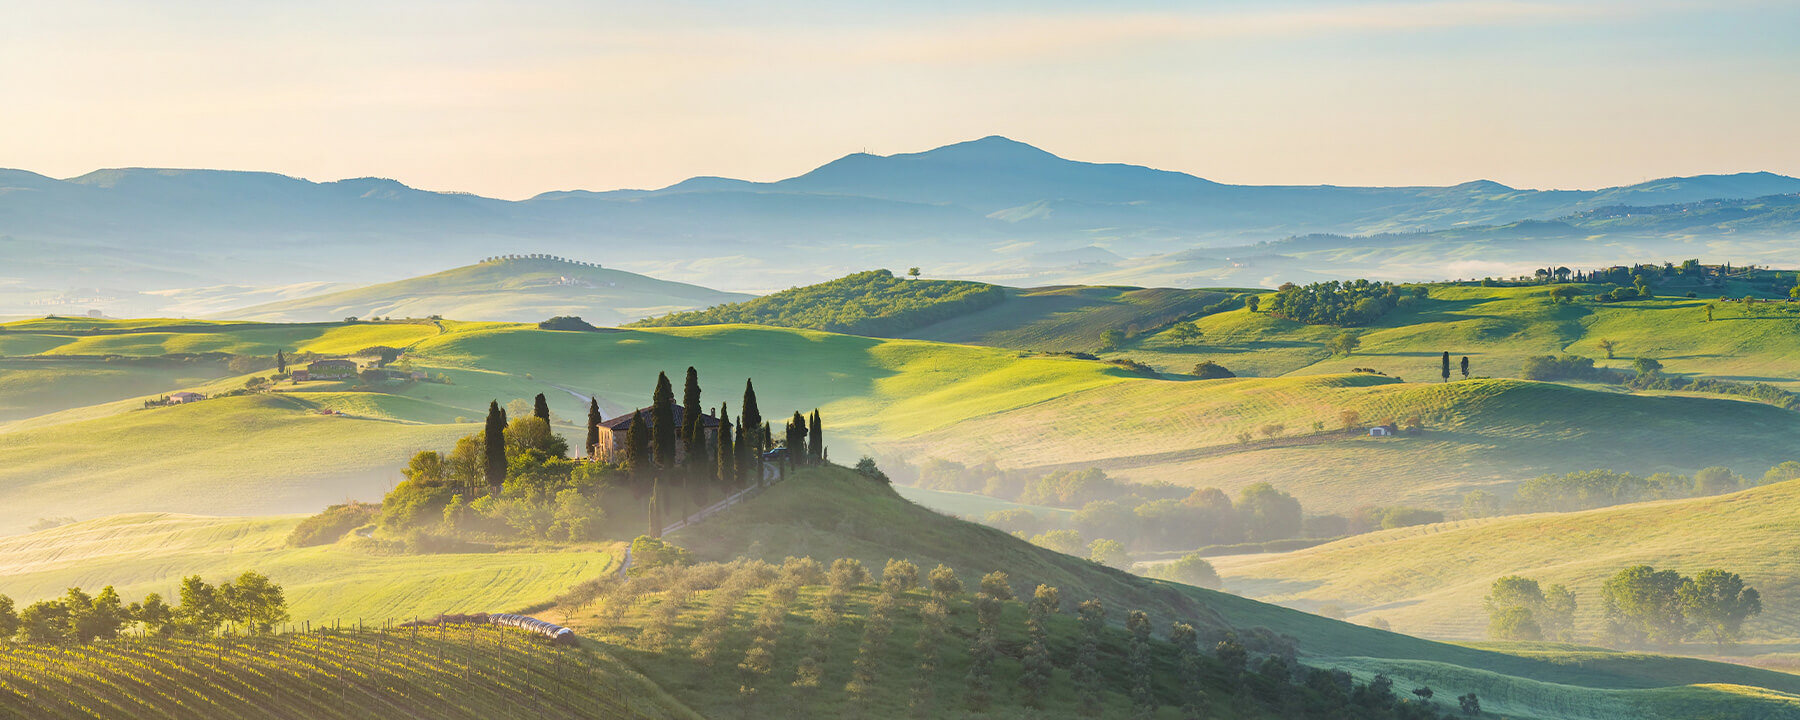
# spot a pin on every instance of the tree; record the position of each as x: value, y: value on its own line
x: 693, y: 431
x: 1646, y: 366
x: 1512, y: 603
x: 751, y: 419
x: 1110, y: 553
x: 1642, y: 604
x: 494, y: 445
x: 1716, y: 480
x: 1344, y: 344
x: 912, y: 272
x: 1143, y: 696
x: 1480, y: 504
x: 1268, y: 514
x: 1470, y: 704
x: 1209, y: 370
x: 1036, y: 660
x: 9, y: 620
x: 945, y: 586
x: 280, y: 362
x: 1709, y: 312
x: 664, y: 435
x: 638, y: 460
x: 1193, y: 684
x: 540, y: 408
x: 1607, y: 345
x: 1556, y: 617
x: 796, y: 439
x: 815, y: 442
x: 593, y: 426
x: 1564, y: 294
x: 254, y: 601
x: 1190, y: 569
x: 1446, y: 370
x: 726, y: 463
x: 1086, y: 673
x: 1465, y: 367
x: 1718, y: 603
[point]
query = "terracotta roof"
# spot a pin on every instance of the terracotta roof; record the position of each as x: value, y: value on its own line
x: 623, y: 422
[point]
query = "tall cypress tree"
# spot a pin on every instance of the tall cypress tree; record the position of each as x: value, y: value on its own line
x: 541, y: 409
x: 767, y: 438
x: 494, y: 444
x: 815, y: 444
x: 637, y: 453
x: 280, y: 362
x: 1465, y: 367
x: 726, y: 455
x: 752, y: 418
x: 1446, y: 366
x: 693, y: 431
x: 796, y: 439
x: 662, y: 423
x: 593, y: 425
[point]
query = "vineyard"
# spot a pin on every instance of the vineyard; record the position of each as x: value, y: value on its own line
x: 436, y: 672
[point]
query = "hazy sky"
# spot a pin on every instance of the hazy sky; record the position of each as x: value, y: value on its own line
x: 511, y: 99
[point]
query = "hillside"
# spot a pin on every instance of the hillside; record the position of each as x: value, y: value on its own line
x: 513, y: 290
x: 451, y: 672
x: 1430, y: 580
x: 827, y: 514
x: 866, y: 303
x: 142, y: 553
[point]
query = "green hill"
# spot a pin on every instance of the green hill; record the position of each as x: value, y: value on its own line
x: 517, y: 290
x: 1430, y: 580
x: 1071, y: 318
x: 866, y: 303
x: 150, y: 552
x: 450, y: 672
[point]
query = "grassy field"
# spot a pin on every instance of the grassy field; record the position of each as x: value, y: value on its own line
x: 34, y: 387
x: 971, y: 506
x: 515, y: 291
x: 1479, y: 434
x: 1430, y: 580
x: 451, y: 672
x: 1068, y: 318
x: 150, y: 552
x: 828, y: 515
x: 82, y: 336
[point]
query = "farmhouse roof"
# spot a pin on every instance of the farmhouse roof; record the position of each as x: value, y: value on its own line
x: 623, y: 422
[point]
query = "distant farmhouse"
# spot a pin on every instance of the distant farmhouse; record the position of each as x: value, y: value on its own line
x: 330, y: 369
x: 185, y: 397
x: 613, y: 436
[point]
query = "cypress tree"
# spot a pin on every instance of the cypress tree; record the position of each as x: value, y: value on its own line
x: 1446, y: 366
x: 541, y: 409
x: 662, y: 423
x: 796, y: 439
x: 693, y: 431
x: 637, y: 453
x: 1465, y: 367
x: 1187, y: 645
x: 1143, y: 697
x: 816, y: 443
x: 748, y: 460
x: 593, y: 425
x: 752, y: 417
x: 1086, y: 672
x: 494, y: 444
x: 726, y: 452
x: 280, y: 362
x: 767, y: 441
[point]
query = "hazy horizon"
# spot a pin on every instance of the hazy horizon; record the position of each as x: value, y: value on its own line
x: 510, y: 102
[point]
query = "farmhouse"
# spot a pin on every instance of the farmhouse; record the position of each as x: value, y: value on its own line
x: 331, y: 368
x: 185, y: 397
x: 613, y: 434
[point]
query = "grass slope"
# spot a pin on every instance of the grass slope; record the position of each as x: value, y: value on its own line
x: 34, y: 387
x: 1430, y: 580
x: 450, y: 672
x: 1068, y: 317
x: 511, y: 290
x: 80, y: 336
x: 833, y: 513
x: 150, y: 552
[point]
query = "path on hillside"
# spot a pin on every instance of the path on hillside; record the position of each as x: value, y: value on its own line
x: 770, y: 475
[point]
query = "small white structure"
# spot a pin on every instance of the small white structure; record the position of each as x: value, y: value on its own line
x: 184, y: 397
x: 1380, y: 432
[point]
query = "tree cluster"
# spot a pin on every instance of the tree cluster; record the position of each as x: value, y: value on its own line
x: 866, y: 303
x: 250, y: 603
x: 1334, y: 302
x: 1663, y: 607
x: 1602, y: 488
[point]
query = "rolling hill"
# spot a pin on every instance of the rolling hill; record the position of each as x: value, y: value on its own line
x: 511, y: 290
x: 1430, y: 580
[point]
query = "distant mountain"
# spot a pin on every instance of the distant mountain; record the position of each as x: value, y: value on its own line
x: 518, y: 290
x: 992, y: 208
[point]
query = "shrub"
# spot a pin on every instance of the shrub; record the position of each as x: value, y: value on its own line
x: 328, y: 526
x: 567, y: 322
x: 1189, y: 569
x: 1209, y: 370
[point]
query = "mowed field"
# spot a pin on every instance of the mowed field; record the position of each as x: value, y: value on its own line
x: 1430, y: 580
x: 1497, y: 328
x: 150, y: 552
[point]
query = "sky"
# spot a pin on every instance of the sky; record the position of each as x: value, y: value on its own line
x: 516, y: 98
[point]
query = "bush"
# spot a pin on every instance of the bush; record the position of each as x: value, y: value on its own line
x: 328, y: 526
x: 1209, y: 370
x: 1566, y: 367
x: 567, y: 322
x: 1189, y: 569
x: 648, y: 553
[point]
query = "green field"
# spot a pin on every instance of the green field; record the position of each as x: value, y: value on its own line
x: 451, y: 672
x: 1069, y: 318
x: 1430, y: 580
x: 30, y: 387
x: 526, y: 290
x: 84, y: 337
x: 149, y: 552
